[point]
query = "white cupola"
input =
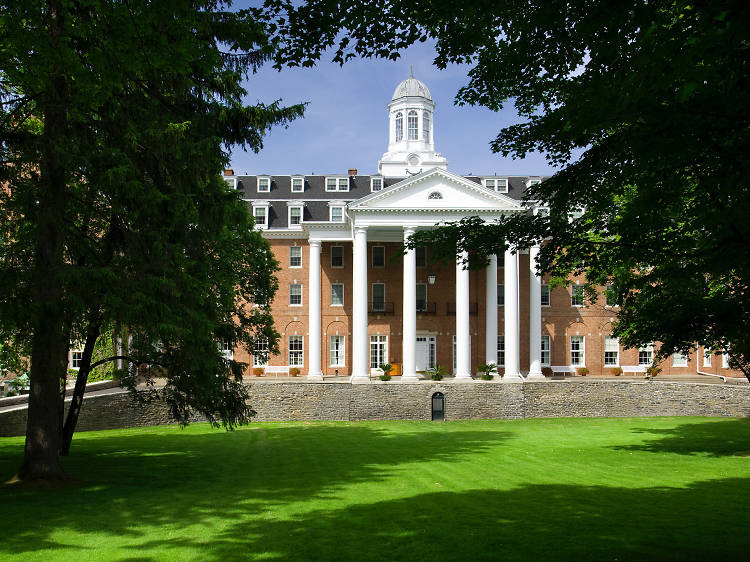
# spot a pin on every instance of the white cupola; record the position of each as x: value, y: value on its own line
x: 411, y: 135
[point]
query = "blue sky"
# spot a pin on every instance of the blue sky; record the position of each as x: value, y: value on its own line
x: 346, y: 121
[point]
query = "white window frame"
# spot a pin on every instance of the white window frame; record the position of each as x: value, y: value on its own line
x: 616, y: 351
x: 300, y: 180
x: 373, y: 181
x: 399, y: 126
x: 725, y: 361
x: 301, y: 216
x: 231, y: 182
x: 264, y: 224
x: 372, y: 260
x: 258, y: 345
x: 342, y: 258
x: 267, y: 181
x: 412, y: 114
x: 549, y: 295
x: 577, y: 289
x: 337, y: 351
x: 342, y: 294
x: 75, y: 356
x: 533, y: 181
x: 546, y: 349
x: 707, y: 353
x: 292, y: 250
x: 381, y: 350
x: 299, y: 354
x: 500, y: 352
x: 226, y: 349
x: 426, y: 126
x: 341, y: 183
x: 292, y: 295
x: 679, y: 359
x: 648, y: 354
x: 337, y: 208
x: 541, y: 211
x: 581, y: 341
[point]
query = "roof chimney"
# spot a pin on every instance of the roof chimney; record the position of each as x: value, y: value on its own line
x: 352, y: 171
x: 229, y: 172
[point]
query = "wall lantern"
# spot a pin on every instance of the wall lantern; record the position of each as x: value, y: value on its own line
x: 431, y: 279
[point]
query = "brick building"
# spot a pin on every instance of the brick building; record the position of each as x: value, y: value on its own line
x: 349, y: 301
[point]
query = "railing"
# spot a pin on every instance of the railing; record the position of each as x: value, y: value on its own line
x: 380, y: 307
x: 450, y: 308
x: 424, y: 307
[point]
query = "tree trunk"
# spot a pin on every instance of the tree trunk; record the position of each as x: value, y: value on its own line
x: 77, y: 400
x: 49, y: 342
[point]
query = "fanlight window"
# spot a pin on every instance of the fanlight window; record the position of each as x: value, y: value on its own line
x: 435, y: 195
x: 412, y: 122
x: 399, y: 126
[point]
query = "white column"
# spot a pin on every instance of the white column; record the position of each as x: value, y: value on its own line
x: 463, y: 347
x: 313, y: 309
x: 535, y: 317
x: 360, y: 359
x: 409, y: 343
x: 490, y: 327
x: 512, y: 319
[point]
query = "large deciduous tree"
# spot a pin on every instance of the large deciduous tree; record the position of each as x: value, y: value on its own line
x: 644, y: 106
x: 116, y: 120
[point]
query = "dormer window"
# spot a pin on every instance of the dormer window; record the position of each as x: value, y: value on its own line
x: 533, y: 181
x: 496, y: 184
x: 399, y: 126
x: 413, y: 125
x: 426, y: 126
x: 337, y: 214
x: 376, y: 184
x: 264, y: 184
x: 298, y: 185
x: 231, y: 182
x: 260, y: 214
x: 295, y: 216
x: 337, y: 184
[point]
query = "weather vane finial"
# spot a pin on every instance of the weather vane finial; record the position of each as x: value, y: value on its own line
x: 411, y: 71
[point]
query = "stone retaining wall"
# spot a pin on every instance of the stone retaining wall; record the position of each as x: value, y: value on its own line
x: 286, y: 401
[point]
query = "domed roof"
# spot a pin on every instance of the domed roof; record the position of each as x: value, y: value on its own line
x: 411, y: 87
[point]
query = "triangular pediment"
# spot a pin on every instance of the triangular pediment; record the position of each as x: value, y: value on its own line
x: 436, y: 190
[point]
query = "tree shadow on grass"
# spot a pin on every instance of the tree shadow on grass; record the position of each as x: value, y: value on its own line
x: 719, y: 438
x: 162, y: 477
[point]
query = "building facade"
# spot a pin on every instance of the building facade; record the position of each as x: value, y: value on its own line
x: 350, y: 301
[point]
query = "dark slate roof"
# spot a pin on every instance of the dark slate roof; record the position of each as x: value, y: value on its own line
x: 316, y: 198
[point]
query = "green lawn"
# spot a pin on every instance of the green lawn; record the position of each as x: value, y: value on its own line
x: 575, y: 489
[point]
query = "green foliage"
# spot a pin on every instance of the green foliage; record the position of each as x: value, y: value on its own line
x: 487, y: 370
x: 644, y: 107
x: 437, y: 373
x: 652, y: 371
x: 385, y: 377
x: 386, y: 368
x: 582, y: 371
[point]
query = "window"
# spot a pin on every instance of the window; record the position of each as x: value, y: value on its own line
x: 337, y: 184
x: 378, y: 297
x: 399, y: 126
x: 542, y: 211
x: 425, y: 126
x: 264, y: 185
x: 545, y: 295
x: 611, y: 352
x: 546, y: 355
x: 496, y: 184
x: 260, y: 352
x: 225, y: 347
x: 610, y: 299
x: 646, y: 354
x: 376, y: 184
x: 534, y: 182
x: 435, y: 195
x: 679, y: 359
x: 337, y: 214
x: 577, y: 351
x: 412, y: 124
x: 378, y: 351
x: 337, y: 294
x: 298, y: 185
x: 420, y: 254
x: 724, y: 360
x: 421, y: 297
x: 295, y: 294
x: 337, y: 256
x: 576, y: 295
x: 231, y: 182
x: 296, y: 351
x: 260, y: 214
x: 295, y: 256
x: 501, y: 295
x: 295, y: 216
x: 378, y: 256
x: 501, y: 351
x: 575, y: 214
x: 337, y: 353
x: 76, y: 356
x: 707, y: 357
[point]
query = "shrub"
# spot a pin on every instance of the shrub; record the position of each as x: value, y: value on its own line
x: 652, y: 371
x: 385, y: 376
x: 617, y: 371
x: 582, y: 371
x: 437, y: 373
x: 547, y: 371
x: 487, y: 371
x: 487, y: 377
x: 386, y: 368
x: 294, y: 371
x: 258, y: 371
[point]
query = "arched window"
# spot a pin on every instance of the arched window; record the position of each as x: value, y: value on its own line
x: 399, y: 126
x: 426, y: 127
x: 413, y: 125
x: 435, y: 195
